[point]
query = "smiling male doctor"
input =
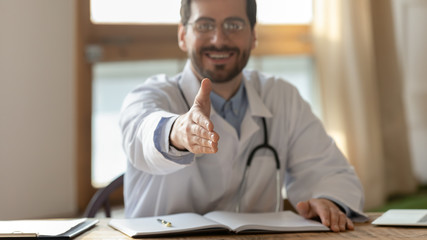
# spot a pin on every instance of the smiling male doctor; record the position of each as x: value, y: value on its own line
x: 188, y: 138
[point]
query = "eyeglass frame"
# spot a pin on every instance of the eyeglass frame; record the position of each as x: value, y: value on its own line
x: 213, y: 25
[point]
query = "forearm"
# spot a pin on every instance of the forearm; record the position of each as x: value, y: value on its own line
x: 141, y: 135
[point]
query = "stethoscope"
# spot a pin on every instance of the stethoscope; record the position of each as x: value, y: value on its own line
x: 264, y: 145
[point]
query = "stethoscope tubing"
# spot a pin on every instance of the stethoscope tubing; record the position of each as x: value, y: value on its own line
x: 248, y: 164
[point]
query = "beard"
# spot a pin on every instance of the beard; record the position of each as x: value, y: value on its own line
x: 220, y: 74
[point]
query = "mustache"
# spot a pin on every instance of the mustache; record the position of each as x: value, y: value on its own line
x: 221, y: 49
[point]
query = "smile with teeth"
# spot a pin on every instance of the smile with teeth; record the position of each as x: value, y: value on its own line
x: 219, y: 55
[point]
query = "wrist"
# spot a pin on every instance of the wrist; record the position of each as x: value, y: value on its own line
x: 174, y: 139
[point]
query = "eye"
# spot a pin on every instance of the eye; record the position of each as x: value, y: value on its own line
x: 204, y: 26
x: 233, y: 26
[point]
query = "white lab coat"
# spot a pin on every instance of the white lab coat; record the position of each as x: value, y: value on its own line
x: 311, y: 164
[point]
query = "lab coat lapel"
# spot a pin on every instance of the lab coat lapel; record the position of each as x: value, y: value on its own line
x: 256, y: 108
x: 189, y: 84
x: 256, y: 105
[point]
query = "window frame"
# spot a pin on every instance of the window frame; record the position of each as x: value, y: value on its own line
x: 131, y: 42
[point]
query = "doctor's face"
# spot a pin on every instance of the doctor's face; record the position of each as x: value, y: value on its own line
x: 218, y: 38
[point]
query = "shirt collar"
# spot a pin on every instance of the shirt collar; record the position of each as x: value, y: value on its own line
x: 236, y: 101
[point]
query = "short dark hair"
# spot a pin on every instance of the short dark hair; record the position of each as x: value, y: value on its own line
x: 250, y: 11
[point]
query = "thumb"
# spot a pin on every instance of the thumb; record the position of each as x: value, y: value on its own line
x: 304, y: 209
x: 203, y: 100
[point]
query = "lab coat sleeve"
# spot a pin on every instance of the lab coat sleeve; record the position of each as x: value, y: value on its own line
x: 141, y: 113
x: 316, y: 168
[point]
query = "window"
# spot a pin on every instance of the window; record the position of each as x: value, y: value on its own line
x: 154, y: 12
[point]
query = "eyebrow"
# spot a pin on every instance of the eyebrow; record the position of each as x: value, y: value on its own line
x: 205, y: 19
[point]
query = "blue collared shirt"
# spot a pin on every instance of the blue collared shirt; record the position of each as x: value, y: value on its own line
x: 233, y: 110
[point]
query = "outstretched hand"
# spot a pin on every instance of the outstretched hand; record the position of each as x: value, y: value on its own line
x: 193, y: 130
x: 329, y: 213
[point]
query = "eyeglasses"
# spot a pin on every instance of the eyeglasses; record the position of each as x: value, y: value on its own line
x: 207, y: 26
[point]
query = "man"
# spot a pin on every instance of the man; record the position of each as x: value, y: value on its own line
x: 186, y: 156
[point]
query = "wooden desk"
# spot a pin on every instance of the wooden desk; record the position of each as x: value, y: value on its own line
x: 362, y: 231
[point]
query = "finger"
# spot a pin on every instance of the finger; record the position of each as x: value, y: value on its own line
x: 203, y: 99
x: 199, y: 118
x: 350, y: 225
x: 203, y: 133
x: 304, y: 209
x: 319, y: 209
x: 197, y: 149
x: 335, y: 218
x: 205, y: 90
x: 195, y: 140
x: 324, y: 215
x: 342, y: 222
x: 202, y: 104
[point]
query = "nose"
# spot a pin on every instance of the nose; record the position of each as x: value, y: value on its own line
x: 219, y: 37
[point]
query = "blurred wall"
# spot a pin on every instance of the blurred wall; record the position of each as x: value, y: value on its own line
x: 37, y: 132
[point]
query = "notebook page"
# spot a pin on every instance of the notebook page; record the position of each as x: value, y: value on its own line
x: 182, y: 222
x: 280, y: 221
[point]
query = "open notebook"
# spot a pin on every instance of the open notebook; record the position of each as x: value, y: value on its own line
x: 403, y: 217
x: 190, y: 223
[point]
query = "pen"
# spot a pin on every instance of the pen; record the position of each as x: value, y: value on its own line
x: 164, y: 222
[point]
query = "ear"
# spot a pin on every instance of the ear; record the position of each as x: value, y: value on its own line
x: 254, y: 39
x: 181, y: 37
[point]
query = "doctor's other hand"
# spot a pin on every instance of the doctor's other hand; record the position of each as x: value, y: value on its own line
x: 330, y: 215
x: 193, y: 131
